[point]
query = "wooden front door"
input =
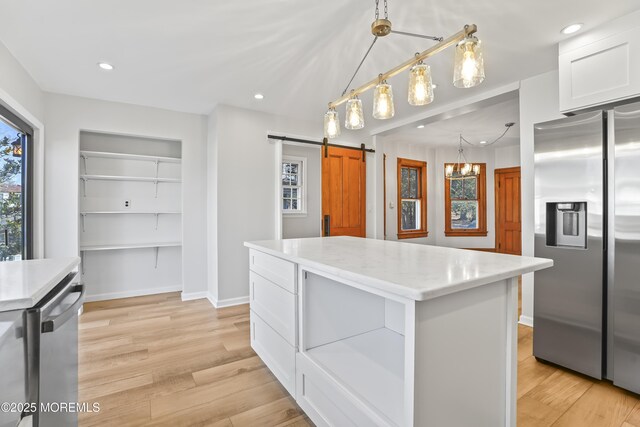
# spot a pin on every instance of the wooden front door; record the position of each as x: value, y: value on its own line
x: 343, y: 192
x: 508, y: 212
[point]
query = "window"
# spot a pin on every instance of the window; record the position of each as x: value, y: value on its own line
x: 412, y: 199
x: 294, y: 183
x: 466, y: 204
x: 15, y: 187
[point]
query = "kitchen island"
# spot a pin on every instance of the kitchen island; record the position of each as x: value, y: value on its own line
x: 367, y: 332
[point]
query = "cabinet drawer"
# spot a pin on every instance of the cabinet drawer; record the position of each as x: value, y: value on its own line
x: 327, y: 403
x: 275, y: 352
x: 276, y: 306
x: 279, y: 271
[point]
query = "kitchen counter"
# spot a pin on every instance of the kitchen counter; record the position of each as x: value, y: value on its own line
x: 24, y: 283
x: 418, y: 272
x: 370, y: 332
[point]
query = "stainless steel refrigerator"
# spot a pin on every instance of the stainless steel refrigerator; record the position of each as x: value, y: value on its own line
x: 587, y: 219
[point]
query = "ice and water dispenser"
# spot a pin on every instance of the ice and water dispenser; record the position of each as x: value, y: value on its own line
x: 567, y: 224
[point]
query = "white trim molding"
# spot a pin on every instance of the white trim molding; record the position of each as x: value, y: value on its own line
x: 526, y: 321
x: 189, y: 296
x: 229, y: 302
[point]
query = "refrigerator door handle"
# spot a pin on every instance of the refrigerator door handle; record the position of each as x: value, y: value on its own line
x: 51, y: 325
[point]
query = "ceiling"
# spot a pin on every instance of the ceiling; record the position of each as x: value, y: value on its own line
x: 484, y: 124
x: 191, y: 55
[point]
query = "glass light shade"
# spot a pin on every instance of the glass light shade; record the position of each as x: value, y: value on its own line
x: 354, y: 117
x: 420, y: 86
x: 468, y: 69
x: 383, y: 101
x: 465, y: 169
x: 331, y: 123
x: 476, y: 169
x: 448, y: 171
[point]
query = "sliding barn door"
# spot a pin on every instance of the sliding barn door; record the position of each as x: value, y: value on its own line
x: 343, y: 192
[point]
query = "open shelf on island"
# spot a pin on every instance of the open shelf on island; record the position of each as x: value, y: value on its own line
x: 124, y: 156
x: 111, y: 247
x: 371, y: 365
x: 127, y: 178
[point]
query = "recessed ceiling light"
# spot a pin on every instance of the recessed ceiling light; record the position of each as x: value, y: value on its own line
x: 570, y: 29
x: 434, y: 86
x: 420, y: 126
x: 105, y: 66
x: 483, y: 142
x: 258, y: 96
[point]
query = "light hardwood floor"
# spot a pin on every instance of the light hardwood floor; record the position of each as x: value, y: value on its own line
x: 159, y: 361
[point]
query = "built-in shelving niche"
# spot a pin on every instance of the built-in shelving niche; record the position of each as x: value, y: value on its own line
x: 130, y: 215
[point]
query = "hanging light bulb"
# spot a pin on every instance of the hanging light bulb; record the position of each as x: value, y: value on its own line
x: 331, y: 123
x: 383, y: 101
x: 468, y: 70
x: 448, y: 171
x: 354, y: 118
x: 420, y: 86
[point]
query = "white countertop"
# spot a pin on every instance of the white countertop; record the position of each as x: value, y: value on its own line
x: 24, y: 283
x: 410, y: 270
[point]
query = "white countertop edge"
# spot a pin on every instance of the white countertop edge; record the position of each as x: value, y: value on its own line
x: 28, y: 302
x: 401, y: 290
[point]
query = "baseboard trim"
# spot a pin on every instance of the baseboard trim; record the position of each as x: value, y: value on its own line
x: 229, y: 302
x: 194, y: 295
x: 135, y: 293
x: 526, y: 321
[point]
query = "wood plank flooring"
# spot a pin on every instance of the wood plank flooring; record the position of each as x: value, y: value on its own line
x: 158, y: 361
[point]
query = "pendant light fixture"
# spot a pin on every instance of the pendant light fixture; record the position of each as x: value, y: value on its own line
x: 354, y: 117
x: 331, y: 123
x: 383, y: 100
x: 420, y: 85
x: 461, y: 168
x: 468, y: 70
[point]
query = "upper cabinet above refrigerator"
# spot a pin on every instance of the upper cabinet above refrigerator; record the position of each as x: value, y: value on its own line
x: 601, y: 66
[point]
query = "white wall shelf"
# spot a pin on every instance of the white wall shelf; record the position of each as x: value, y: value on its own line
x: 124, y: 156
x: 129, y: 246
x: 130, y: 214
x: 127, y: 178
x: 155, y: 246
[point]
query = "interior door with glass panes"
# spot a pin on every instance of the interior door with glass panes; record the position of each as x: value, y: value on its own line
x: 13, y: 218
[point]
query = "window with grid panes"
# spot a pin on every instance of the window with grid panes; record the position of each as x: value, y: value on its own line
x: 293, y: 185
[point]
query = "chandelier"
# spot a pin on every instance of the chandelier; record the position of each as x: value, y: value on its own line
x: 461, y: 168
x: 468, y: 71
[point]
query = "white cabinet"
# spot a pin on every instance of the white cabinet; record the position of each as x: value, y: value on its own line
x: 602, y: 66
x: 274, y: 326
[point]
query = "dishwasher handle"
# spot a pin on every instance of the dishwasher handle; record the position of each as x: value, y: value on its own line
x: 52, y: 324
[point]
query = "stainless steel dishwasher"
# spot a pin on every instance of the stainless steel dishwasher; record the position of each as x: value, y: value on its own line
x: 52, y: 354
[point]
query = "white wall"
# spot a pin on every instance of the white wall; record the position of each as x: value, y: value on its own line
x: 21, y: 95
x: 245, y: 192
x: 308, y: 225
x: 538, y: 103
x: 67, y: 116
x: 507, y: 157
